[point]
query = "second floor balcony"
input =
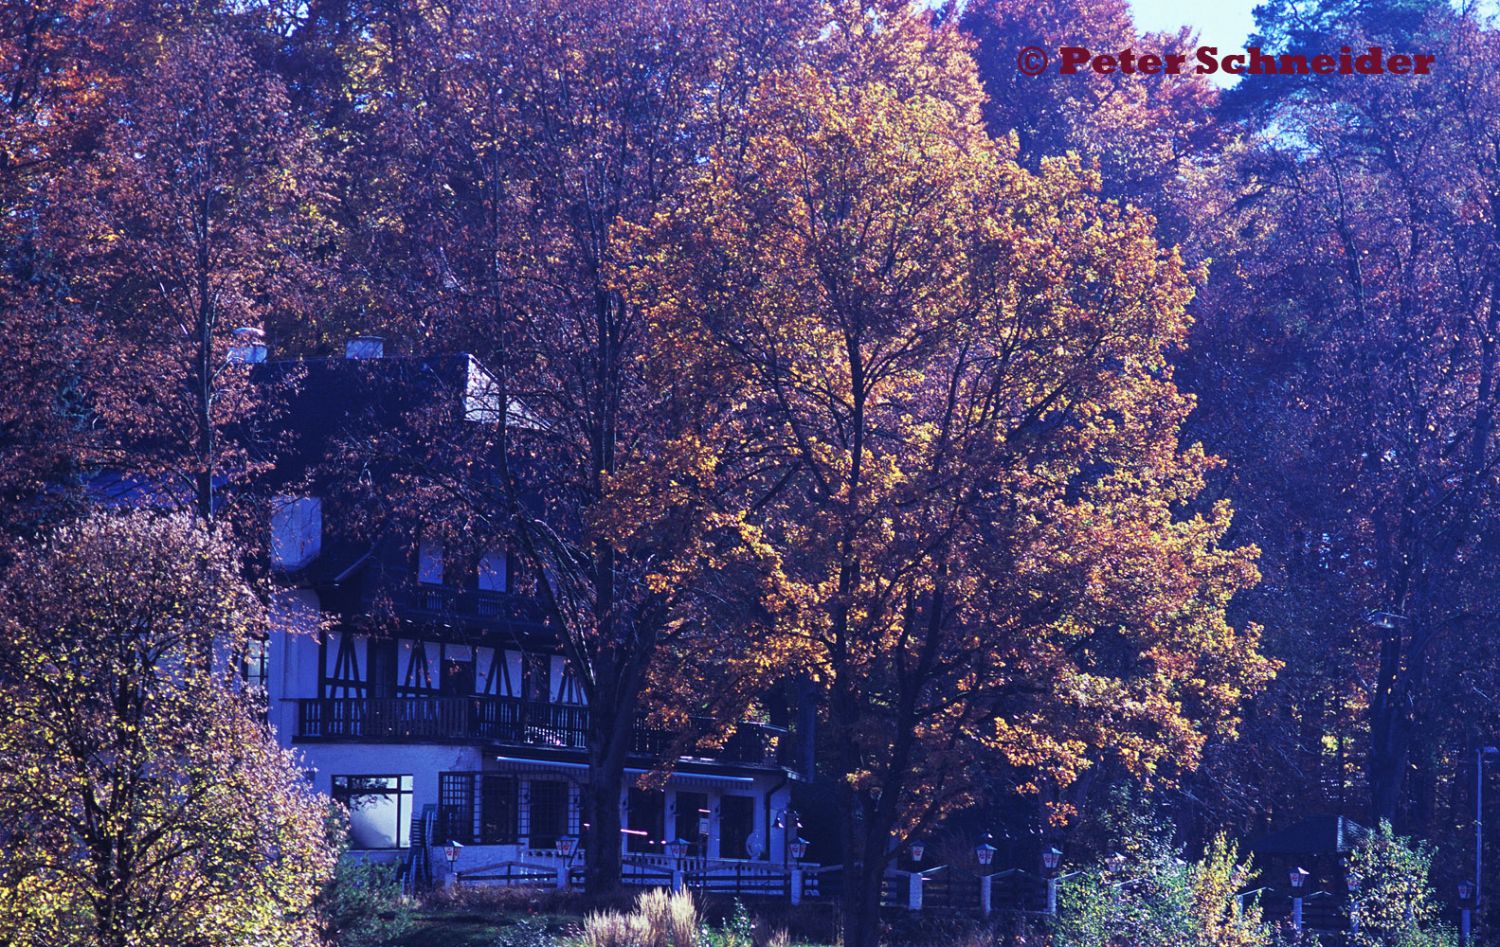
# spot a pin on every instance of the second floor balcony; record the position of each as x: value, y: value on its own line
x: 503, y: 721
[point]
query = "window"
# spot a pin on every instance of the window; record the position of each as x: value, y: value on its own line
x: 645, y: 818
x: 257, y: 655
x: 493, y: 572
x: 536, y: 677
x: 458, y: 678
x: 493, y: 822
x: 296, y: 531
x: 497, y: 808
x: 691, y: 822
x: 379, y: 810
x: 736, y: 823
x: 382, y: 666
x: 549, y: 812
x: 430, y: 562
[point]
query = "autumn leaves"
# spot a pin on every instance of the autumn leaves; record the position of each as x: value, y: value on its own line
x: 965, y: 434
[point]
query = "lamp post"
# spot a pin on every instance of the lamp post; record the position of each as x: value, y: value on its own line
x: 1051, y: 859
x: 1298, y: 878
x: 790, y: 823
x: 984, y: 853
x: 567, y: 847
x: 677, y: 850
x: 798, y: 851
x: 1480, y: 755
x: 1466, y: 891
x: 451, y: 851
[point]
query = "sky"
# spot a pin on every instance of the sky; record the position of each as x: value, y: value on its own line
x: 1222, y: 23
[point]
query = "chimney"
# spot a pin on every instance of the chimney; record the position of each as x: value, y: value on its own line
x: 365, y: 346
x: 248, y: 347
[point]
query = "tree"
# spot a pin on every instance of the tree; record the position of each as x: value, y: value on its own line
x: 198, y: 215
x: 143, y: 801
x: 958, y: 367
x: 56, y: 71
x: 1151, y: 137
x: 1353, y: 309
x: 523, y: 139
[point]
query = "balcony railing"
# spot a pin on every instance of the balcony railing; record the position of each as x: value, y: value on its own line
x: 499, y: 720
x: 421, y: 601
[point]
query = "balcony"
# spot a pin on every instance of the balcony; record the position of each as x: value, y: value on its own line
x: 478, y: 608
x: 501, y: 720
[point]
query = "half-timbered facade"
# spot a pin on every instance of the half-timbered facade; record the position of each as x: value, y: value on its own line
x: 423, y: 687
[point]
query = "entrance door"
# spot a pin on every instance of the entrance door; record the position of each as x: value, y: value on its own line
x: 691, y: 823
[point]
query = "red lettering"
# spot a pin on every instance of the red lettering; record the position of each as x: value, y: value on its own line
x: 1072, y: 58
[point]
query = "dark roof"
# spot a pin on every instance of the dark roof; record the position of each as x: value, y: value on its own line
x: 1319, y: 835
x: 317, y: 401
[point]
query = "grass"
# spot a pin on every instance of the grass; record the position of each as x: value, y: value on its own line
x: 521, y: 918
x: 451, y: 928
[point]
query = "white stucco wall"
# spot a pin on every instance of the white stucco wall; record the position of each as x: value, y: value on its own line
x: 292, y: 661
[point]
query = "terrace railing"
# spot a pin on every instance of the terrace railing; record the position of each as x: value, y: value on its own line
x: 504, y: 720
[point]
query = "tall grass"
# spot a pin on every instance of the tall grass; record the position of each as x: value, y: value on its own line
x: 659, y: 920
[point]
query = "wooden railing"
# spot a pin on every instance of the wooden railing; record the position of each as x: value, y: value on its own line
x: 497, y: 720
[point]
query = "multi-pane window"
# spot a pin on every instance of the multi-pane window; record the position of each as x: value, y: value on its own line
x: 478, y: 808
x: 257, y: 657
x: 379, y: 810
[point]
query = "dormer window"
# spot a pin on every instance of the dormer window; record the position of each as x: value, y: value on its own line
x: 430, y: 562
x: 493, y: 574
x: 296, y: 531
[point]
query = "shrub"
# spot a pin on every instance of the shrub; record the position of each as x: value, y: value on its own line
x: 1397, y: 907
x: 1158, y: 900
x: 362, y: 906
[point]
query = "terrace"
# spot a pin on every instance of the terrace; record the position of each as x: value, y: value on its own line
x: 504, y: 721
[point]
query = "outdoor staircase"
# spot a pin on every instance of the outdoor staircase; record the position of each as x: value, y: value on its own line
x: 418, y: 873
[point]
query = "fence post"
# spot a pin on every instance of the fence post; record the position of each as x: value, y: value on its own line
x: 914, y: 891
x: 797, y: 885
x: 986, y: 887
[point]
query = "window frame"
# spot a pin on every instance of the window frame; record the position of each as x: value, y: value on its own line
x: 402, y: 791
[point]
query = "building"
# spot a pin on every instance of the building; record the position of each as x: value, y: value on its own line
x: 423, y: 686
